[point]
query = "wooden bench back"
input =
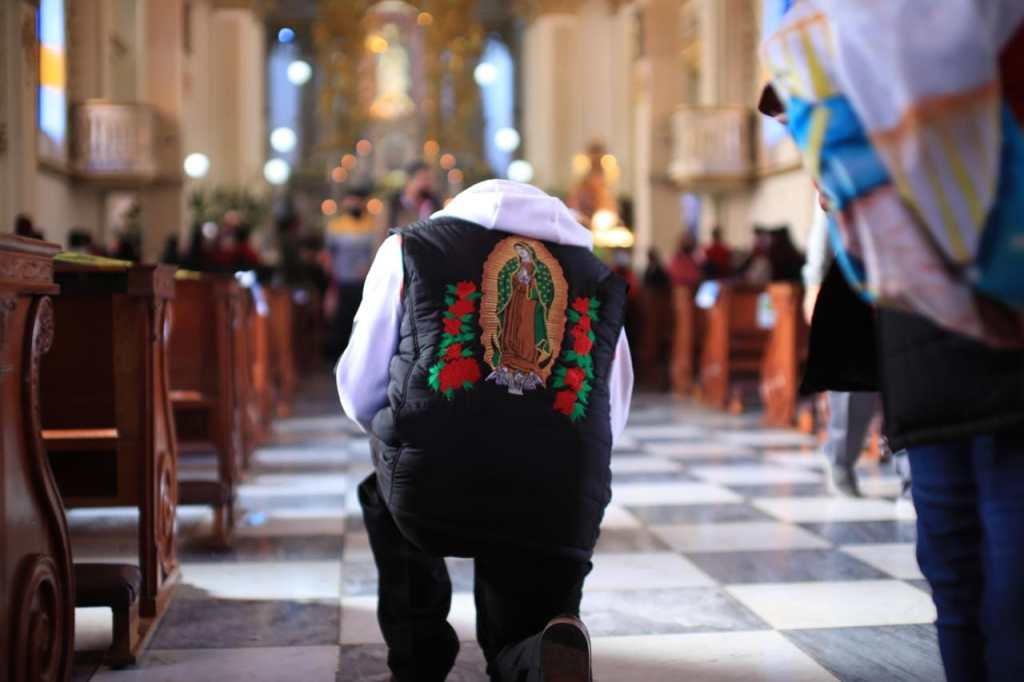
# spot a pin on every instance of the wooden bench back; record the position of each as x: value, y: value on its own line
x: 733, y: 344
x: 77, y: 375
x: 194, y: 357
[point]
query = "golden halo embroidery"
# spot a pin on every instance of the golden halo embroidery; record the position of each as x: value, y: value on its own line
x: 456, y: 368
x: 522, y: 314
x: 575, y: 373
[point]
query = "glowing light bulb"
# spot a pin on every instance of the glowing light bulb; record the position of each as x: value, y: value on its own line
x: 520, y: 171
x: 485, y: 74
x: 283, y: 139
x: 197, y: 165
x: 507, y: 139
x: 277, y: 171
x: 299, y: 72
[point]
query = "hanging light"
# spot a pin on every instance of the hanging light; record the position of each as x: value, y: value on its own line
x: 277, y: 171
x: 197, y: 165
x: 507, y: 139
x: 604, y: 220
x: 520, y: 171
x: 616, y: 238
x: 485, y: 74
x: 283, y: 139
x: 285, y: 35
x: 299, y: 72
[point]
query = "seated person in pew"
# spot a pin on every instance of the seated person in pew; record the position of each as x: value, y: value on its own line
x: 489, y: 365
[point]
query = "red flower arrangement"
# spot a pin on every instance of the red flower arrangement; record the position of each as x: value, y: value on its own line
x: 456, y: 368
x: 575, y: 373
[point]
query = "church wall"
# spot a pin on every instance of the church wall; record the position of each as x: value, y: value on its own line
x: 62, y: 205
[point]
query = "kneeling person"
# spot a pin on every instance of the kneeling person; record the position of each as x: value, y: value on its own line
x: 489, y: 365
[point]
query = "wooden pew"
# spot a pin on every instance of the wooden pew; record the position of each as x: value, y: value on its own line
x: 37, y: 616
x: 655, y: 306
x: 684, y: 341
x: 308, y: 324
x: 733, y: 346
x: 282, y: 358
x: 105, y: 408
x: 205, y: 361
x: 784, y: 355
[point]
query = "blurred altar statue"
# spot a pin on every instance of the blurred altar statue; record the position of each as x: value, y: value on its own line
x: 394, y: 80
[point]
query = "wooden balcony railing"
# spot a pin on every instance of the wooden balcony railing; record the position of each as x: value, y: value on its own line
x: 114, y: 142
x: 713, y: 147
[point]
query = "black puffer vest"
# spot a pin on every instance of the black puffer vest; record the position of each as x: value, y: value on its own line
x: 497, y: 435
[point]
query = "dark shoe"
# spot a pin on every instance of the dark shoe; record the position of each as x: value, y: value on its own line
x: 841, y: 480
x: 565, y: 651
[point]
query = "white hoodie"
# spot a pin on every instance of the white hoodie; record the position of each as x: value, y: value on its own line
x: 503, y: 205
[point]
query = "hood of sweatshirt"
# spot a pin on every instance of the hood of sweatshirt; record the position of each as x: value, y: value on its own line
x: 520, y: 209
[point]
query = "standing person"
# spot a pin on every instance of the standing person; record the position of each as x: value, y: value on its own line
x: 717, y: 257
x: 349, y: 243
x: 489, y: 365
x: 655, y: 275
x: 683, y: 270
x: 850, y: 412
x: 952, y: 360
x: 417, y: 200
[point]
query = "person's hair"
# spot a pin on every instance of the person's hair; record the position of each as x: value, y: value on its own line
x: 415, y: 167
x: 23, y: 226
x: 78, y: 237
x: 716, y: 233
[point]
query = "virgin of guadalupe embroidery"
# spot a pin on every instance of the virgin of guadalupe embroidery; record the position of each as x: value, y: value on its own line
x: 522, y: 313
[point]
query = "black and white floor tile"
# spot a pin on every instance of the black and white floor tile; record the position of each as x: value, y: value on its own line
x: 721, y: 557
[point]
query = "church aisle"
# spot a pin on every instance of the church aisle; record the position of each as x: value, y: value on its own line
x: 721, y: 558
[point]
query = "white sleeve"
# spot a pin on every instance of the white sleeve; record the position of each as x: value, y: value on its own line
x: 362, y: 372
x: 620, y: 386
x: 819, y: 253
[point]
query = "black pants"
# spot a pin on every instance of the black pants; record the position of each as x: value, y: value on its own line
x: 349, y: 298
x: 516, y: 595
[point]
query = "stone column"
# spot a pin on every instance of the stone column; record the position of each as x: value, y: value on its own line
x: 19, y: 59
x: 658, y: 83
x: 163, y: 202
x: 237, y: 116
x: 548, y: 84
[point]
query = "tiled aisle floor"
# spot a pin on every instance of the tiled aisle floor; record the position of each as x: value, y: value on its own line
x: 721, y: 558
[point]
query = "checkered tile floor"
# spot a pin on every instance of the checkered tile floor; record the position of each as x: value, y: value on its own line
x: 721, y: 558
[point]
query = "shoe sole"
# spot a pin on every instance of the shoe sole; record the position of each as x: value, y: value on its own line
x: 565, y: 652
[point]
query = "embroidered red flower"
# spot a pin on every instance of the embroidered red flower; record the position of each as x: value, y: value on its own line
x: 462, y: 307
x: 581, y: 305
x: 583, y: 345
x: 565, y: 402
x: 579, y: 331
x: 584, y: 323
x: 574, y: 378
x: 464, y: 289
x: 454, y: 352
x: 452, y: 325
x: 457, y: 373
